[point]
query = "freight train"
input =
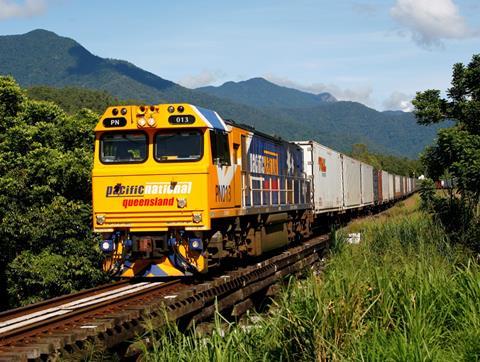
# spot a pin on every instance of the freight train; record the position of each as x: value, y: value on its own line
x: 178, y: 190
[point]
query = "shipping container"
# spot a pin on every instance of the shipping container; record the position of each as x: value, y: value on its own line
x: 352, y: 192
x: 391, y: 186
x: 385, y: 186
x: 324, y: 167
x: 367, y: 184
x: 402, y: 185
x: 397, y: 187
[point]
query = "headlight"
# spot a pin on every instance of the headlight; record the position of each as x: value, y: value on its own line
x: 142, y: 122
x: 100, y: 219
x: 107, y: 246
x: 151, y: 122
x: 197, y: 217
x: 181, y: 203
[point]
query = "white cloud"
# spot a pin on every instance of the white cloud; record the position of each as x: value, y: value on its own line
x: 362, y: 93
x: 431, y: 21
x: 399, y: 101
x: 205, y: 77
x: 12, y: 9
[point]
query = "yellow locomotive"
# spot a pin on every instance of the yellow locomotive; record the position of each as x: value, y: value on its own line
x: 177, y: 189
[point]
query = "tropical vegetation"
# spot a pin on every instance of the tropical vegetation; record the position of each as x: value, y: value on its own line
x: 455, y: 156
x: 47, y: 245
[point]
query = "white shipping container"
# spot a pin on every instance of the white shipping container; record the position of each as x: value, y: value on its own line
x: 352, y: 193
x: 367, y: 184
x: 398, y: 191
x: 385, y: 188
x: 391, y: 185
x: 324, y: 167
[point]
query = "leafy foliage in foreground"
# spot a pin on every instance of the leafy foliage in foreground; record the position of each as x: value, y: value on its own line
x: 45, y: 195
x: 456, y: 153
x: 402, y: 294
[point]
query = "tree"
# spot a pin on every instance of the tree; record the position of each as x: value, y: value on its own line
x: 456, y: 153
x: 45, y: 213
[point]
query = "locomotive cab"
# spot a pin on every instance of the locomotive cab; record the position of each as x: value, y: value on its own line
x: 150, y: 181
x: 176, y: 189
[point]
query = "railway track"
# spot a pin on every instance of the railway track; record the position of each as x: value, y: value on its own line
x: 37, y: 330
x: 114, y: 313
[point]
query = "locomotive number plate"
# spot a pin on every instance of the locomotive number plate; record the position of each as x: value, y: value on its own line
x: 183, y: 119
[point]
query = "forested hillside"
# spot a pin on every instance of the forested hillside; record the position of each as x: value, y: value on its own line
x: 41, y: 58
x: 71, y: 99
x: 260, y: 93
x: 392, y: 164
x: 338, y: 124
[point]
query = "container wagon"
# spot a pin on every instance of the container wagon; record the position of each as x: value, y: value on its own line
x: 352, y: 190
x: 385, y: 186
x: 323, y: 167
x: 398, y: 191
x: 367, y: 184
x: 391, y: 187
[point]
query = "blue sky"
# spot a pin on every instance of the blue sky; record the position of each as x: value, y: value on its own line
x: 376, y: 52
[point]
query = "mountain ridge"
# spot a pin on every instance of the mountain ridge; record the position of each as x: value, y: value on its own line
x: 41, y: 57
x: 261, y: 93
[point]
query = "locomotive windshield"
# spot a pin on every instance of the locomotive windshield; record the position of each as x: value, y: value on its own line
x: 179, y: 145
x: 128, y: 147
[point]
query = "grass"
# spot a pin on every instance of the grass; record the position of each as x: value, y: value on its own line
x: 402, y: 294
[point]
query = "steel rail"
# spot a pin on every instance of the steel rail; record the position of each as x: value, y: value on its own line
x: 31, y: 308
x: 89, y: 306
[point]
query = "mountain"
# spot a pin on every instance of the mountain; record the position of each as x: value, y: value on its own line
x: 41, y: 57
x: 338, y: 124
x: 356, y: 123
x: 260, y: 93
x: 394, y: 113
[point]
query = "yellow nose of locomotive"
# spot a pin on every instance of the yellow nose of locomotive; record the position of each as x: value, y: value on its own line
x: 149, y: 189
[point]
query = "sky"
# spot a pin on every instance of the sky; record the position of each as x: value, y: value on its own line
x: 379, y: 53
